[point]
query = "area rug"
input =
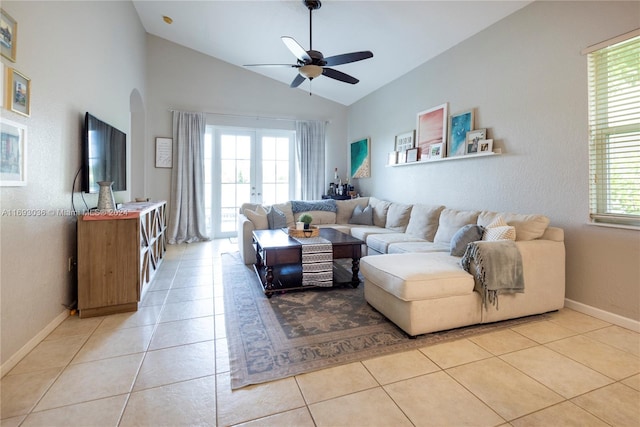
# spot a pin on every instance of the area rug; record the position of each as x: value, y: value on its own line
x: 302, y: 331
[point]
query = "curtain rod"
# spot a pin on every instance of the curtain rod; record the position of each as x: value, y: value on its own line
x: 243, y: 116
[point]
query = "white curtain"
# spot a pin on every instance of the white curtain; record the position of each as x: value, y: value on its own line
x: 310, y: 154
x: 186, y: 217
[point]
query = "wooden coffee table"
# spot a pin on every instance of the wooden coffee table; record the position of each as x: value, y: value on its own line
x: 279, y: 259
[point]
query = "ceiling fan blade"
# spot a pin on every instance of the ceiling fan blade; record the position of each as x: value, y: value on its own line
x: 272, y: 65
x: 339, y: 75
x: 296, y: 49
x: 348, y: 57
x: 297, y: 81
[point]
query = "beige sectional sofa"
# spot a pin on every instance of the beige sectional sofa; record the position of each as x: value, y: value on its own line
x: 409, y: 273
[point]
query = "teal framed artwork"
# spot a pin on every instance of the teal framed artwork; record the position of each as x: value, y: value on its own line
x: 459, y: 125
x: 361, y: 159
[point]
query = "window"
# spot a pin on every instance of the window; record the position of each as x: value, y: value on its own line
x: 614, y: 131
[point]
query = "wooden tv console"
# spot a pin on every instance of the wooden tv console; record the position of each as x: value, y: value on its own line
x: 118, y: 255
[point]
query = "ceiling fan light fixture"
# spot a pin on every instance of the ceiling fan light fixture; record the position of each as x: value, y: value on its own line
x: 310, y: 71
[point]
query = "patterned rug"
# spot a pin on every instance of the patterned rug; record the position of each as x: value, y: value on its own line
x: 302, y: 331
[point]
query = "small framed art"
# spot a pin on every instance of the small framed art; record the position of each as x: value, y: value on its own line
x: 435, y: 151
x: 405, y: 141
x: 459, y: 125
x: 8, y: 38
x: 18, y: 96
x: 476, y: 135
x: 412, y: 155
x: 13, y: 156
x: 164, y: 152
x: 392, y: 158
x: 485, y: 146
x: 402, y: 157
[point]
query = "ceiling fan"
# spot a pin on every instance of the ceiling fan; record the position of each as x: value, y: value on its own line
x: 311, y: 63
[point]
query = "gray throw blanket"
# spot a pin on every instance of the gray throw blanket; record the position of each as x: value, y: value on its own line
x: 497, y: 268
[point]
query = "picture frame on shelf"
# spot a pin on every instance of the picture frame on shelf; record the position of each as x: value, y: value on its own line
x: 13, y: 156
x: 485, y: 146
x: 405, y: 141
x: 436, y: 151
x: 361, y: 158
x: 392, y: 158
x: 18, y: 92
x: 402, y: 157
x: 459, y: 125
x: 164, y: 152
x: 412, y: 155
x: 432, y: 128
x: 8, y: 41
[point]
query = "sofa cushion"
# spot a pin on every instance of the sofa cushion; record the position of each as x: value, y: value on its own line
x: 467, y: 234
x: 451, y: 221
x: 258, y: 217
x: 398, y: 217
x: 345, y: 208
x: 285, y: 208
x: 424, y: 246
x: 505, y: 232
x: 319, y: 217
x: 528, y: 227
x: 417, y: 276
x: 423, y: 221
x: 363, y: 231
x: 380, y: 209
x: 362, y: 216
x: 381, y: 242
x: 276, y: 218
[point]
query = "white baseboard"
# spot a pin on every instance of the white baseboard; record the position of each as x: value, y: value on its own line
x: 33, y: 342
x: 624, y: 322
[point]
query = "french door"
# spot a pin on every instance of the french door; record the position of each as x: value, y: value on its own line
x: 245, y: 166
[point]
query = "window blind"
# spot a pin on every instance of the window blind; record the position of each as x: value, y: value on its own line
x: 614, y: 132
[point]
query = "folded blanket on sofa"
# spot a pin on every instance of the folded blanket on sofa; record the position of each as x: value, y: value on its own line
x: 496, y: 267
x: 328, y: 205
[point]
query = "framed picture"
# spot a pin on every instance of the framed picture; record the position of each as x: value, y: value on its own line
x: 485, y: 146
x: 432, y: 128
x: 361, y: 159
x: 8, y: 36
x: 402, y: 157
x: 392, y: 159
x: 164, y: 152
x: 412, y: 155
x: 435, y: 151
x: 18, y: 96
x: 459, y: 125
x: 406, y: 140
x: 13, y: 154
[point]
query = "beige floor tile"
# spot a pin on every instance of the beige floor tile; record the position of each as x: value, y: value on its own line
x: 633, y: 382
x: 563, y: 414
x: 561, y: 374
x: 116, y: 342
x: 506, y: 390
x: 161, y: 282
x: 189, y: 294
x: 454, y: 353
x: 437, y: 400
x: 21, y: 392
x: 218, y: 303
x: 50, y: 354
x: 333, y: 382
x: 186, y: 310
x: 143, y: 317
x: 188, y: 331
x: 188, y: 403
x: 222, y: 356
x: 102, y: 412
x: 73, y: 325
x: 616, y: 404
x: 295, y: 418
x: 605, y: 359
x: 220, y: 326
x: 153, y: 298
x: 578, y: 322
x: 13, y: 421
x: 543, y: 332
x: 255, y: 401
x: 400, y: 366
x: 369, y: 408
x: 188, y: 282
x: 92, y: 380
x: 174, y: 364
x: 620, y: 338
x: 503, y: 341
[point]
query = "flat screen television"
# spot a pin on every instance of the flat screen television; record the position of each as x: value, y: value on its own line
x: 104, y: 155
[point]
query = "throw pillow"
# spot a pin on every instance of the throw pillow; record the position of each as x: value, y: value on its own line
x: 506, y: 232
x: 467, y: 234
x: 362, y: 216
x: 276, y: 218
x: 258, y: 218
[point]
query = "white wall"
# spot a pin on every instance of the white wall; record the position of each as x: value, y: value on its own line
x: 527, y: 81
x: 80, y: 56
x: 184, y: 79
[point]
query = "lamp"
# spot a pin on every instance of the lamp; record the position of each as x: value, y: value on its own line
x: 310, y: 71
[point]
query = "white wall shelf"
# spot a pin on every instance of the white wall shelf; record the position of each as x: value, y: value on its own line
x: 496, y: 152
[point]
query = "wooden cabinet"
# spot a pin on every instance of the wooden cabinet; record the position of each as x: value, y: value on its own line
x: 118, y: 255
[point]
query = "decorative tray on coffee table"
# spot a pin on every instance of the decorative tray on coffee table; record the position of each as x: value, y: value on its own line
x: 312, y: 231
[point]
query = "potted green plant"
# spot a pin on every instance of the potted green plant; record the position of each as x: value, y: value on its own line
x: 306, y: 218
